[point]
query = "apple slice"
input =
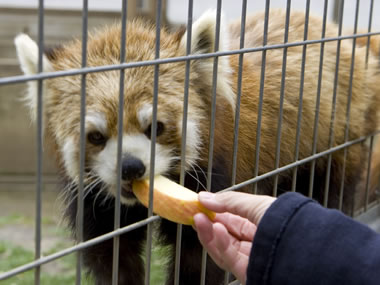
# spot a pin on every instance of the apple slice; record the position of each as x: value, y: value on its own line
x: 171, y: 200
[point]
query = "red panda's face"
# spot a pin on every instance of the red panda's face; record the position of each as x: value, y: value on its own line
x: 62, y: 107
x: 101, y: 127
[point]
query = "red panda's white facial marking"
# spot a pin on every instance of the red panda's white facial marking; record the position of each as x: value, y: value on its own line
x: 69, y: 151
x: 193, y: 143
x: 144, y: 115
x: 96, y: 121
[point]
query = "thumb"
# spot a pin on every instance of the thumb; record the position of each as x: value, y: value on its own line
x: 252, y: 207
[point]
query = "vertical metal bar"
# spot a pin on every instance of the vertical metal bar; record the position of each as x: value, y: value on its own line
x: 184, y: 136
x: 212, y: 123
x: 368, y: 174
x: 372, y: 137
x: 153, y: 142
x: 213, y: 103
x: 186, y: 92
x: 336, y: 10
x: 347, y: 128
x: 82, y: 143
x: 262, y: 80
x: 120, y: 124
x: 369, y: 30
x: 333, y: 108
x: 282, y: 95
x: 300, y: 100
x: 239, y: 90
x: 317, y: 105
x: 38, y: 236
x: 227, y: 274
x: 203, y: 271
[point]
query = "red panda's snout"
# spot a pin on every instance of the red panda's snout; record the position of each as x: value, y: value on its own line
x: 132, y: 168
x: 135, y: 163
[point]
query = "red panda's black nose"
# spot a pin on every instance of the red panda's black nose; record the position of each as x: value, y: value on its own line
x: 132, y: 168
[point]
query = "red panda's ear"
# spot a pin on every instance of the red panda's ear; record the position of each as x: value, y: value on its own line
x: 27, y: 52
x: 203, y: 39
x: 203, y: 34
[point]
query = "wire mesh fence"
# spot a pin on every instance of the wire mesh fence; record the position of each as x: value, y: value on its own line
x: 325, y: 152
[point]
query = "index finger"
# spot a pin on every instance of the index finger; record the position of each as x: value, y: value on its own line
x: 245, y: 205
x: 241, y: 228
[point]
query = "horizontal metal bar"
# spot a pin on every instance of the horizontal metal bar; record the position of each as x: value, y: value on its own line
x: 48, y: 75
x: 77, y: 247
x: 298, y: 163
x: 27, y: 179
x: 369, y: 216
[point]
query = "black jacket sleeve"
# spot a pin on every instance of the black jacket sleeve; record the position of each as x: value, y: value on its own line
x: 300, y: 242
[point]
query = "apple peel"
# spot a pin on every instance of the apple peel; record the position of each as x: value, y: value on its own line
x: 171, y: 200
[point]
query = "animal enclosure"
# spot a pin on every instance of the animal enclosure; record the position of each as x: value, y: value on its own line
x: 308, y: 131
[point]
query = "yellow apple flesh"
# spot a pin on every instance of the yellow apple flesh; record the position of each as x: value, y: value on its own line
x: 171, y: 200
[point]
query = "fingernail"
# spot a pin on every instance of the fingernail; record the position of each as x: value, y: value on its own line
x: 196, y: 217
x: 206, y: 195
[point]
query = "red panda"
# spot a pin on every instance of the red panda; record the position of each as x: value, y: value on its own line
x: 62, y: 123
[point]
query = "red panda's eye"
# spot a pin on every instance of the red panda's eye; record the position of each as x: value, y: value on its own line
x: 160, y: 128
x: 96, y: 138
x: 159, y: 131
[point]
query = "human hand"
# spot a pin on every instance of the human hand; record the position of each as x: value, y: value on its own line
x: 228, y: 238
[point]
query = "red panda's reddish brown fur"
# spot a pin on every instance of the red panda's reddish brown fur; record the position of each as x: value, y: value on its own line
x: 365, y: 101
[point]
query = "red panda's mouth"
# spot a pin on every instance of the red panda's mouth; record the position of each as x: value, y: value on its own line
x: 126, y: 191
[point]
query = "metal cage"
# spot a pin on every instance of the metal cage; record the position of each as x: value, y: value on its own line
x: 122, y: 66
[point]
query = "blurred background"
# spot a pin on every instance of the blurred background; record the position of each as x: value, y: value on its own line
x: 63, y: 20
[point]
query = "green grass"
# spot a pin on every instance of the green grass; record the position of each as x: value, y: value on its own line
x: 13, y: 256
x: 15, y: 219
x: 158, y: 264
x: 63, y: 270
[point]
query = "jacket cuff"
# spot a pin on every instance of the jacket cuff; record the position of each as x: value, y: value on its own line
x: 269, y: 233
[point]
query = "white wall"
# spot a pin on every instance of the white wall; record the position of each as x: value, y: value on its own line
x: 177, y: 9
x: 99, y: 5
x: 364, y: 8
